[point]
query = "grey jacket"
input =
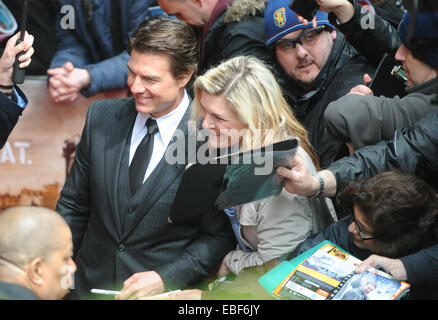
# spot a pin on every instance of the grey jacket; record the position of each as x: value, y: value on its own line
x: 367, y: 120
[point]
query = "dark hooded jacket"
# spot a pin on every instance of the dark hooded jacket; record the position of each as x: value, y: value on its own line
x: 239, y: 30
x: 378, y: 38
x: 343, y: 70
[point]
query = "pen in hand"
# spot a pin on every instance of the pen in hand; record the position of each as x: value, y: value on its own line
x: 114, y: 293
x: 107, y: 292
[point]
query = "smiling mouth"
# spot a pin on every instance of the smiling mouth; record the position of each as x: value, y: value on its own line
x: 142, y: 99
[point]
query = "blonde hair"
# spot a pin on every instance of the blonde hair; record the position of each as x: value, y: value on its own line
x: 255, y: 95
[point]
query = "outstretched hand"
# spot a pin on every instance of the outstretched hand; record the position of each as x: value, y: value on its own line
x: 363, y: 89
x: 394, y: 266
x: 298, y: 178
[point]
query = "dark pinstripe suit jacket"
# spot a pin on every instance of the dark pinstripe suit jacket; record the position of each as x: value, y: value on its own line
x: 107, y: 254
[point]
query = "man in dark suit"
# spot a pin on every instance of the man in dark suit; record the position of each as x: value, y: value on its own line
x: 35, y: 254
x: 12, y: 99
x: 121, y: 231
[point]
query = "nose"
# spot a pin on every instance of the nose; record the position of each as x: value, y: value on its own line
x: 352, y: 228
x: 207, y: 123
x: 73, y: 265
x: 400, y: 55
x: 300, y: 51
x: 137, y: 86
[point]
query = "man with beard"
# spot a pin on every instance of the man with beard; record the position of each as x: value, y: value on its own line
x: 319, y: 67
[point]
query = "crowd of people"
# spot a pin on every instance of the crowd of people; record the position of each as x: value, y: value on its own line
x: 251, y: 73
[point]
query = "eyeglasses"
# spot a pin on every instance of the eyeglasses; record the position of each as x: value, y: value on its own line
x: 362, y: 235
x: 306, y: 38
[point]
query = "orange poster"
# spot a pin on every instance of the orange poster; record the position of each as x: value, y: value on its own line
x: 36, y: 158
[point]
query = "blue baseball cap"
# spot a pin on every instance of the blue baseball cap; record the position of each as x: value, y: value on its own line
x: 280, y: 20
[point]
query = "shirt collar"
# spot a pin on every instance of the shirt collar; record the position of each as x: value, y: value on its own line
x: 168, y: 123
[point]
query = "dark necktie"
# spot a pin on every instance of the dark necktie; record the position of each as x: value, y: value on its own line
x: 142, y: 156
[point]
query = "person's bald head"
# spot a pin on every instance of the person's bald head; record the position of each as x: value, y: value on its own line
x: 28, y: 232
x: 37, y: 241
x: 196, y: 13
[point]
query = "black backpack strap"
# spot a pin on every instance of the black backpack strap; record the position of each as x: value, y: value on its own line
x: 116, y: 28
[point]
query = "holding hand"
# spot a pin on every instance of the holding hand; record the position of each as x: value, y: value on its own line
x: 363, y: 89
x: 343, y: 10
x: 141, y: 284
x: 298, y: 179
x: 66, y: 82
x: 194, y: 294
x: 7, y: 60
x: 394, y: 266
x: 223, y: 269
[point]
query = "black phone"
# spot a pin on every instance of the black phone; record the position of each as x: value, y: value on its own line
x: 305, y: 8
x: 384, y: 82
x: 18, y: 74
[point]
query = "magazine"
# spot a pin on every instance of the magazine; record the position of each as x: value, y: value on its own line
x: 233, y: 179
x: 326, y: 272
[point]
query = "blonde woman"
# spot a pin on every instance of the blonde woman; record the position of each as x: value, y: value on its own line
x: 241, y: 96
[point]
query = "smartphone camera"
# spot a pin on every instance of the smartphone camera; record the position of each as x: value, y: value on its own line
x: 305, y: 8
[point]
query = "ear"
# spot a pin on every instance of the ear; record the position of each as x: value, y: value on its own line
x: 34, y: 270
x: 333, y: 34
x: 185, y: 78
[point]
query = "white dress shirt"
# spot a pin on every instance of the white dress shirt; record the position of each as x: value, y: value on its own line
x: 167, y: 125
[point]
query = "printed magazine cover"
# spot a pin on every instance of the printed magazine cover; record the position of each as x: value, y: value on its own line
x: 328, y: 274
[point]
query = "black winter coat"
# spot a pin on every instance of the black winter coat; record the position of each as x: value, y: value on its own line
x: 239, y: 31
x: 381, y: 37
x: 413, y: 149
x: 343, y: 70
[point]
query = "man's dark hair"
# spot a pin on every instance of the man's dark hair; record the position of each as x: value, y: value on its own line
x: 401, y: 208
x: 175, y: 38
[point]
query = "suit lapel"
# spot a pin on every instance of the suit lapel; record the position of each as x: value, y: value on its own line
x: 159, y: 180
x: 115, y: 141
